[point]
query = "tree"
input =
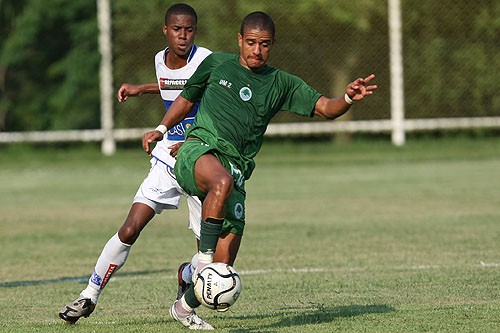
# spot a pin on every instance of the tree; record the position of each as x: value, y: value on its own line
x: 451, y: 55
x: 50, y: 59
x: 323, y: 42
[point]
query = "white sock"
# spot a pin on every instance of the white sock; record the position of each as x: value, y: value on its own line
x: 205, y: 259
x: 112, y: 258
x: 182, y: 308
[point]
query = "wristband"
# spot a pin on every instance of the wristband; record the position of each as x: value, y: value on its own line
x: 348, y: 99
x: 161, y: 128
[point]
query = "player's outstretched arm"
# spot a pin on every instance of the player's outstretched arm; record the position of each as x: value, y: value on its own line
x: 331, y: 108
x: 176, y: 113
x: 126, y: 90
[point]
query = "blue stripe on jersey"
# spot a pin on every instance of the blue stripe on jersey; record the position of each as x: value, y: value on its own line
x: 193, y: 51
x: 177, y: 132
x: 191, y: 54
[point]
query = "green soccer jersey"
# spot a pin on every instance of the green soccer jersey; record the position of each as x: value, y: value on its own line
x: 236, y: 105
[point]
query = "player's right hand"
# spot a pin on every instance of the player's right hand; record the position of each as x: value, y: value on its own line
x: 149, y: 138
x: 127, y: 90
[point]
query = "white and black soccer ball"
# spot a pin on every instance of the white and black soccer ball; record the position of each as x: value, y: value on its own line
x: 217, y: 286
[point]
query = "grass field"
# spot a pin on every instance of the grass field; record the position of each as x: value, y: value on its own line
x: 352, y: 237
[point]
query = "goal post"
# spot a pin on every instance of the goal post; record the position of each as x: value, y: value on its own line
x: 396, y: 72
x: 108, y: 145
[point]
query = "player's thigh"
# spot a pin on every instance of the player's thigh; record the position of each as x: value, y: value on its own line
x: 209, y: 172
x: 188, y: 154
x: 161, y: 187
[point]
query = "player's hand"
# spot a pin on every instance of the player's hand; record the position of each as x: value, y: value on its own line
x: 149, y: 138
x: 174, y: 149
x: 127, y: 90
x: 359, y: 88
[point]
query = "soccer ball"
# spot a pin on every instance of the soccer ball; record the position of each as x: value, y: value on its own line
x: 217, y: 286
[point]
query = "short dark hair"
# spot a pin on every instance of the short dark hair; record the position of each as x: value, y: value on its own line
x: 259, y: 21
x: 180, y: 9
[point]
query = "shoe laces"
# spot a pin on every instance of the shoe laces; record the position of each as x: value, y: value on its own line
x: 193, y: 319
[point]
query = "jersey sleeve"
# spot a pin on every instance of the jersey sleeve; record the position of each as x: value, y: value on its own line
x: 197, y: 83
x: 301, y: 98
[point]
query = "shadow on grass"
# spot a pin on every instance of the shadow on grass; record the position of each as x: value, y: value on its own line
x: 321, y: 314
x: 80, y: 279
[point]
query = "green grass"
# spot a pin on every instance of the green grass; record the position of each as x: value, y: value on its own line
x: 352, y: 237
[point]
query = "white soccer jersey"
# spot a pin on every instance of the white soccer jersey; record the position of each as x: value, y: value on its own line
x: 171, y: 83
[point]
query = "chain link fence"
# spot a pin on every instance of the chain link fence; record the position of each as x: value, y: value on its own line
x: 449, y: 48
x: 450, y: 52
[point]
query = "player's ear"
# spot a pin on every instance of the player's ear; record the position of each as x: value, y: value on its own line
x: 240, y: 40
x: 165, y: 28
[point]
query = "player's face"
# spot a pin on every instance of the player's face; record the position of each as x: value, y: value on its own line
x: 180, y: 32
x: 255, y: 48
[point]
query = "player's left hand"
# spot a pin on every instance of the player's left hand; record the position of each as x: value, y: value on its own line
x: 174, y: 149
x: 359, y: 88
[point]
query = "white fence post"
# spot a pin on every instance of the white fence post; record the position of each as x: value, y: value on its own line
x: 108, y: 146
x: 396, y: 69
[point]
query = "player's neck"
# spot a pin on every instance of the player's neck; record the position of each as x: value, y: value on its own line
x: 256, y: 70
x: 174, y: 61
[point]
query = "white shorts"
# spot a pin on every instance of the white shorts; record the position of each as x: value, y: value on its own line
x: 160, y: 191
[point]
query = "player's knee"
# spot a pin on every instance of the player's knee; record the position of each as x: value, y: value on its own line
x: 128, y: 234
x: 224, y: 186
x: 138, y: 217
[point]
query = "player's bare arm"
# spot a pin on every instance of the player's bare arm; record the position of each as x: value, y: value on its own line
x: 331, y: 108
x: 177, y: 112
x: 128, y: 89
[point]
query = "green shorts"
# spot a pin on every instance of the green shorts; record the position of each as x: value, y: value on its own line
x: 190, y: 151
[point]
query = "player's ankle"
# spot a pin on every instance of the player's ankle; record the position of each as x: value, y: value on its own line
x: 182, y: 308
x: 91, y: 293
x: 205, y: 258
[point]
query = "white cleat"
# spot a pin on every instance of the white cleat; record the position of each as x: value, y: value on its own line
x: 191, y: 321
x: 80, y: 307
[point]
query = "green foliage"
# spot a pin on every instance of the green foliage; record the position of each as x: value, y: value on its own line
x: 449, y: 64
x: 326, y: 43
x: 51, y: 60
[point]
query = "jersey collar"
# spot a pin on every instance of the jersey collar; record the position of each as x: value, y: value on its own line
x: 191, y: 54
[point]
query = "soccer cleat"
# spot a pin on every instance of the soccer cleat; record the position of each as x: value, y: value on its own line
x: 183, y: 286
x: 80, y: 307
x: 191, y: 321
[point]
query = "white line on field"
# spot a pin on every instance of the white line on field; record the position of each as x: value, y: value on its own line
x: 490, y: 264
x: 311, y: 270
x: 131, y: 276
x: 281, y: 270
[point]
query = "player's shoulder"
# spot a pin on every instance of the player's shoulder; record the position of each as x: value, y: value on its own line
x: 284, y: 76
x: 202, y: 51
x: 199, y: 54
x: 160, y: 56
x: 218, y: 58
x: 223, y: 55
